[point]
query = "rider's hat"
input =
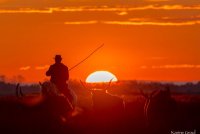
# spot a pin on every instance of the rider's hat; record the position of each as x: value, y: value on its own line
x: 58, y: 57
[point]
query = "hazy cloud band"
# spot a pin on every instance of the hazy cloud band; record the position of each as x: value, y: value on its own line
x: 99, y: 9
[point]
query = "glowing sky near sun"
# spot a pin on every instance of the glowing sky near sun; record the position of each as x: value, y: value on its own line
x: 144, y: 39
x: 101, y: 76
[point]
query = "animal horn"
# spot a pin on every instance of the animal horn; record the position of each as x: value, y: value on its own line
x: 154, y: 92
x: 82, y: 83
x: 109, y: 84
x: 17, y: 90
x: 40, y: 83
x: 20, y: 92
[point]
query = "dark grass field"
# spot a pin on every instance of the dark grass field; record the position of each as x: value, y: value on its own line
x: 14, y: 119
x: 18, y: 118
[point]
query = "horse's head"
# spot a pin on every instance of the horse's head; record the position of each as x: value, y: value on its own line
x: 49, y: 89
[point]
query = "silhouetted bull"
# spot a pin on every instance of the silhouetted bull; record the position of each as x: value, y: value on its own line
x: 104, y: 102
x: 106, y: 107
x: 159, y: 109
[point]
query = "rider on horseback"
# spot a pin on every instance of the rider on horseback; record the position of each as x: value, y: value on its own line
x: 59, y: 76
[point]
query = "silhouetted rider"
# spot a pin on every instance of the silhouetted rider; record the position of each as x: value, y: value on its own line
x: 59, y: 75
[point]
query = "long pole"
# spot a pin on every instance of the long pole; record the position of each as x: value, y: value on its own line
x: 87, y: 57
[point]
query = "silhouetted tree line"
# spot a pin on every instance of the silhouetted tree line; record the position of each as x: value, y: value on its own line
x: 135, y: 87
x: 9, y: 88
x: 121, y: 87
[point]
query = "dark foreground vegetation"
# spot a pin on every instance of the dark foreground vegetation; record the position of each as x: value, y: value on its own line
x: 25, y: 114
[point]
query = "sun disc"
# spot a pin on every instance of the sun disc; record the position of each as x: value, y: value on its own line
x: 101, y: 77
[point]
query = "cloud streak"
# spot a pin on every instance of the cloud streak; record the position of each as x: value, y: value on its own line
x: 42, y: 67
x: 177, y: 66
x: 166, y: 20
x: 25, y: 10
x: 122, y: 13
x: 81, y: 22
x: 25, y: 68
x: 135, y: 23
x: 122, y: 10
x: 141, y: 23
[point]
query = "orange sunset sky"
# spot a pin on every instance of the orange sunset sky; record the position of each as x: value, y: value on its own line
x: 155, y: 40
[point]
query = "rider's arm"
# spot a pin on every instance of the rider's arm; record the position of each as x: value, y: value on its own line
x: 67, y: 74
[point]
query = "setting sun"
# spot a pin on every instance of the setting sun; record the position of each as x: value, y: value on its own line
x: 101, y: 76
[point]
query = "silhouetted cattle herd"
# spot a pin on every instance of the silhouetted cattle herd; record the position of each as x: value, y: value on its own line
x: 52, y: 108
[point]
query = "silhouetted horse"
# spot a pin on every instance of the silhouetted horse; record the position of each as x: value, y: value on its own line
x: 49, y: 90
x: 159, y: 109
x: 56, y: 102
x: 49, y: 109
